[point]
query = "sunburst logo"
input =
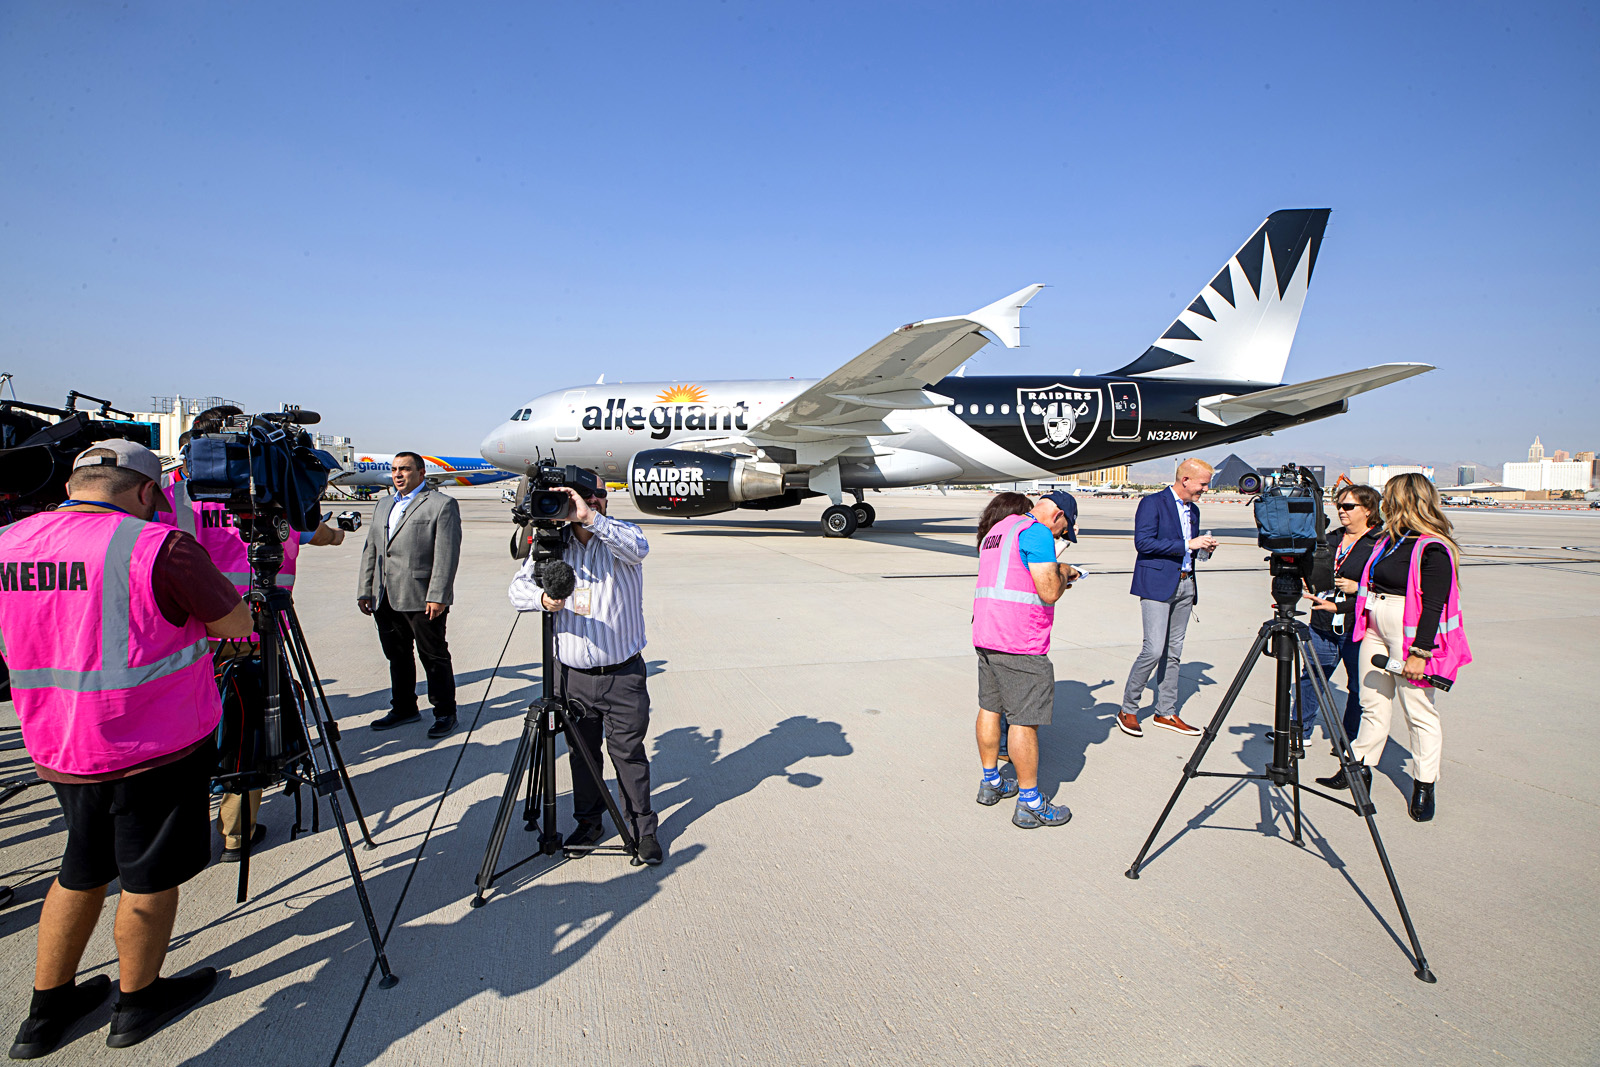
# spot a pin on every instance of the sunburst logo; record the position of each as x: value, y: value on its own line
x: 682, y: 394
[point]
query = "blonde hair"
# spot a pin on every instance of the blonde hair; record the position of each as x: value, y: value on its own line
x: 1194, y: 465
x: 1411, y: 505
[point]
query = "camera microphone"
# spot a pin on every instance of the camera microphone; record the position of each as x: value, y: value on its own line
x: 1381, y: 662
x: 559, y: 580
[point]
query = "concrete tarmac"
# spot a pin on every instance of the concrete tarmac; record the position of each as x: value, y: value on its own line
x: 831, y: 893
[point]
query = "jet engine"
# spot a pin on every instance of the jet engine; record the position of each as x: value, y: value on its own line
x: 674, y: 481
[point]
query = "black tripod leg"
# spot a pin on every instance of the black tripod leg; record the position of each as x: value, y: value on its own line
x: 549, y: 836
x: 1364, y: 805
x: 1206, y: 738
x: 508, y: 804
x: 576, y: 742
x: 311, y: 683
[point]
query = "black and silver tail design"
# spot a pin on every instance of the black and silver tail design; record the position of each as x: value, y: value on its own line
x: 1240, y: 327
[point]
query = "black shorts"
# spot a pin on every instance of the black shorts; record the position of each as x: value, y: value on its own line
x: 152, y: 830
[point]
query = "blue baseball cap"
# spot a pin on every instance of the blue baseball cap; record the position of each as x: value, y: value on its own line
x: 1069, y: 507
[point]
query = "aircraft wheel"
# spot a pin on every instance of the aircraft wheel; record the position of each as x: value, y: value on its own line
x: 865, y: 515
x: 839, y: 521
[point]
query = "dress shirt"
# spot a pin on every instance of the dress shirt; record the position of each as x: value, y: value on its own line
x: 1183, y: 523
x: 611, y: 568
x: 401, y: 502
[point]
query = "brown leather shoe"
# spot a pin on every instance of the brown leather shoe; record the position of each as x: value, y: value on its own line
x: 1175, y: 724
x: 1129, y: 724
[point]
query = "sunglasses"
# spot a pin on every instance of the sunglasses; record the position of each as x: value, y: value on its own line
x: 1348, y: 507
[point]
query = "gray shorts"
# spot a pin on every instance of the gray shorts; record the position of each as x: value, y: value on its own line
x: 1022, y: 688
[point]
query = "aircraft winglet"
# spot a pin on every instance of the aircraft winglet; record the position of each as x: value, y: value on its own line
x: 1003, y: 318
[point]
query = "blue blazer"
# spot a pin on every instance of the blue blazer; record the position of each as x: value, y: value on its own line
x: 1158, y: 537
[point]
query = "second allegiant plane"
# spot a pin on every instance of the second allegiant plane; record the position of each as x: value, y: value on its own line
x: 372, y: 469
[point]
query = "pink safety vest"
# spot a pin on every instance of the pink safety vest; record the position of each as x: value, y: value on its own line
x: 1450, y: 651
x: 211, y: 525
x: 101, y: 680
x: 1007, y: 613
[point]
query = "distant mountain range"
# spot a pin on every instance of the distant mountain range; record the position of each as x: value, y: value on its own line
x: 1161, y: 470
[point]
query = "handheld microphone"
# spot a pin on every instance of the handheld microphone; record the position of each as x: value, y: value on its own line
x: 559, y: 579
x: 1381, y: 662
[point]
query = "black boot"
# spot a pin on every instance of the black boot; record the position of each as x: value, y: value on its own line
x: 1340, y: 781
x: 1421, y: 809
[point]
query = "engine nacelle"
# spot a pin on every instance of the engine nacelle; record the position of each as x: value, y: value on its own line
x: 674, y: 481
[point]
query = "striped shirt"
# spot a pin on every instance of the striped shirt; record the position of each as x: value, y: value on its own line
x: 611, y: 568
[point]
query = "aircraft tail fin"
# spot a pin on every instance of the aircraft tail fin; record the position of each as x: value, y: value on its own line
x: 1241, y: 325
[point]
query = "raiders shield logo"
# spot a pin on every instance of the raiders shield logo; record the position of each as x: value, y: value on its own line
x: 1058, y: 419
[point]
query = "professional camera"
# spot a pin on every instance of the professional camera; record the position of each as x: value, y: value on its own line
x: 1291, y: 524
x: 262, y: 466
x: 36, y: 455
x: 540, y: 503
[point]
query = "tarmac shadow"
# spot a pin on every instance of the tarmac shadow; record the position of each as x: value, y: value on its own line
x: 1077, y: 723
x: 705, y: 779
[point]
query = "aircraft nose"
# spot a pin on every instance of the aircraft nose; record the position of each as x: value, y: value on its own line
x: 494, y: 446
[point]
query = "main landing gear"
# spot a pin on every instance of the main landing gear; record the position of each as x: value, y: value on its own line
x: 843, y: 520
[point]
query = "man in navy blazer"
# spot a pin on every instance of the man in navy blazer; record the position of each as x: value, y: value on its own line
x: 1166, y: 533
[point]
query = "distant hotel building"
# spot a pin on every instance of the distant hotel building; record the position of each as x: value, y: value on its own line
x: 1379, y: 473
x: 1466, y: 474
x: 1551, y: 475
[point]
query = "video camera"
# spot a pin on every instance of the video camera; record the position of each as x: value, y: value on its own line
x: 540, y: 504
x: 1291, y: 524
x: 264, y: 467
x: 36, y: 455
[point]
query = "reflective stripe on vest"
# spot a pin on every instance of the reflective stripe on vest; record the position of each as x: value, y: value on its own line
x: 116, y: 599
x: 998, y: 591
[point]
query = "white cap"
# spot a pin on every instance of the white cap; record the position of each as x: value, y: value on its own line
x: 129, y: 455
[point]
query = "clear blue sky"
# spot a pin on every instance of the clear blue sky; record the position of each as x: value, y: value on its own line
x: 414, y: 216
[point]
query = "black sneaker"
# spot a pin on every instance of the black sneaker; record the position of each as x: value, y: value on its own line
x: 258, y: 835
x: 650, y: 850
x: 157, y: 1004
x: 40, y: 1035
x: 581, y: 841
x: 396, y: 718
x: 442, y: 726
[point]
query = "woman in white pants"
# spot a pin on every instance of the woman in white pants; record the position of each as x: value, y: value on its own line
x: 1407, y: 609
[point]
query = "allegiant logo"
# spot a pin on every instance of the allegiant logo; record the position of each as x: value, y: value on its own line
x: 365, y: 465
x: 663, y: 419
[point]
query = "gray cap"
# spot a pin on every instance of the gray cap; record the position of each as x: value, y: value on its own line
x: 129, y: 455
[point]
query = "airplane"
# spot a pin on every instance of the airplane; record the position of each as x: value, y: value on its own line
x: 371, y: 469
x: 901, y: 414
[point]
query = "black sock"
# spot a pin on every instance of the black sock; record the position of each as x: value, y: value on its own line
x: 148, y: 997
x: 57, y: 1001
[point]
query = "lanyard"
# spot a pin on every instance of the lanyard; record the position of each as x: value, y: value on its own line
x: 94, y: 504
x: 1388, y: 547
x: 1342, y: 553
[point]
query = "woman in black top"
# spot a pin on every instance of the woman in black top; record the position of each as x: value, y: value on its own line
x: 1332, y: 594
x: 1411, y: 511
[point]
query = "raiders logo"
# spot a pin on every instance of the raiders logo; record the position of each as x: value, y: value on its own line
x: 1058, y: 420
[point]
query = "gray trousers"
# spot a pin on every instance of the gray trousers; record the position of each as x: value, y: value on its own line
x: 623, y: 703
x: 1164, y: 624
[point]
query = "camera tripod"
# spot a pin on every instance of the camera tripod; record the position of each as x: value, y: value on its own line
x: 285, y: 653
x: 1286, y: 640
x: 547, y: 718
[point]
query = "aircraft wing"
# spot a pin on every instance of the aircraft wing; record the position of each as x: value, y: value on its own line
x: 1225, y: 409
x: 849, y: 405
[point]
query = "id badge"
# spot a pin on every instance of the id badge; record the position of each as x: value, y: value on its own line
x: 581, y: 600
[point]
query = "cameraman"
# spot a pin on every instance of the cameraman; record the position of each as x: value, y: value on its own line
x: 211, y: 524
x: 599, y: 637
x: 105, y: 624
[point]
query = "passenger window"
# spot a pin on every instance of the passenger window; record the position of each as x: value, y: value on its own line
x: 958, y: 409
x: 1005, y: 409
x: 988, y: 409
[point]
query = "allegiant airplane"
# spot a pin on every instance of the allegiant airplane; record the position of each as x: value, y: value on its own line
x: 372, y: 469
x: 900, y: 414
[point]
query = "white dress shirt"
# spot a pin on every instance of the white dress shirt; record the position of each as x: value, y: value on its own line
x: 610, y: 569
x: 1183, y: 523
x: 401, y: 502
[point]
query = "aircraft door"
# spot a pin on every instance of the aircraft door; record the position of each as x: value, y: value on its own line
x: 1125, y: 414
x: 568, y: 418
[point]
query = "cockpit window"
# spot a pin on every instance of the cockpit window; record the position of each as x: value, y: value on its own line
x: 515, y: 415
x: 527, y: 413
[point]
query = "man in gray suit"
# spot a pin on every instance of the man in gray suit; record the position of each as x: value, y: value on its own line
x: 406, y: 583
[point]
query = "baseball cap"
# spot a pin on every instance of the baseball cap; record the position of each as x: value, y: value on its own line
x: 1069, y: 507
x: 127, y: 454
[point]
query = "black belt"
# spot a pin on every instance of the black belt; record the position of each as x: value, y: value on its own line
x: 615, y: 668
